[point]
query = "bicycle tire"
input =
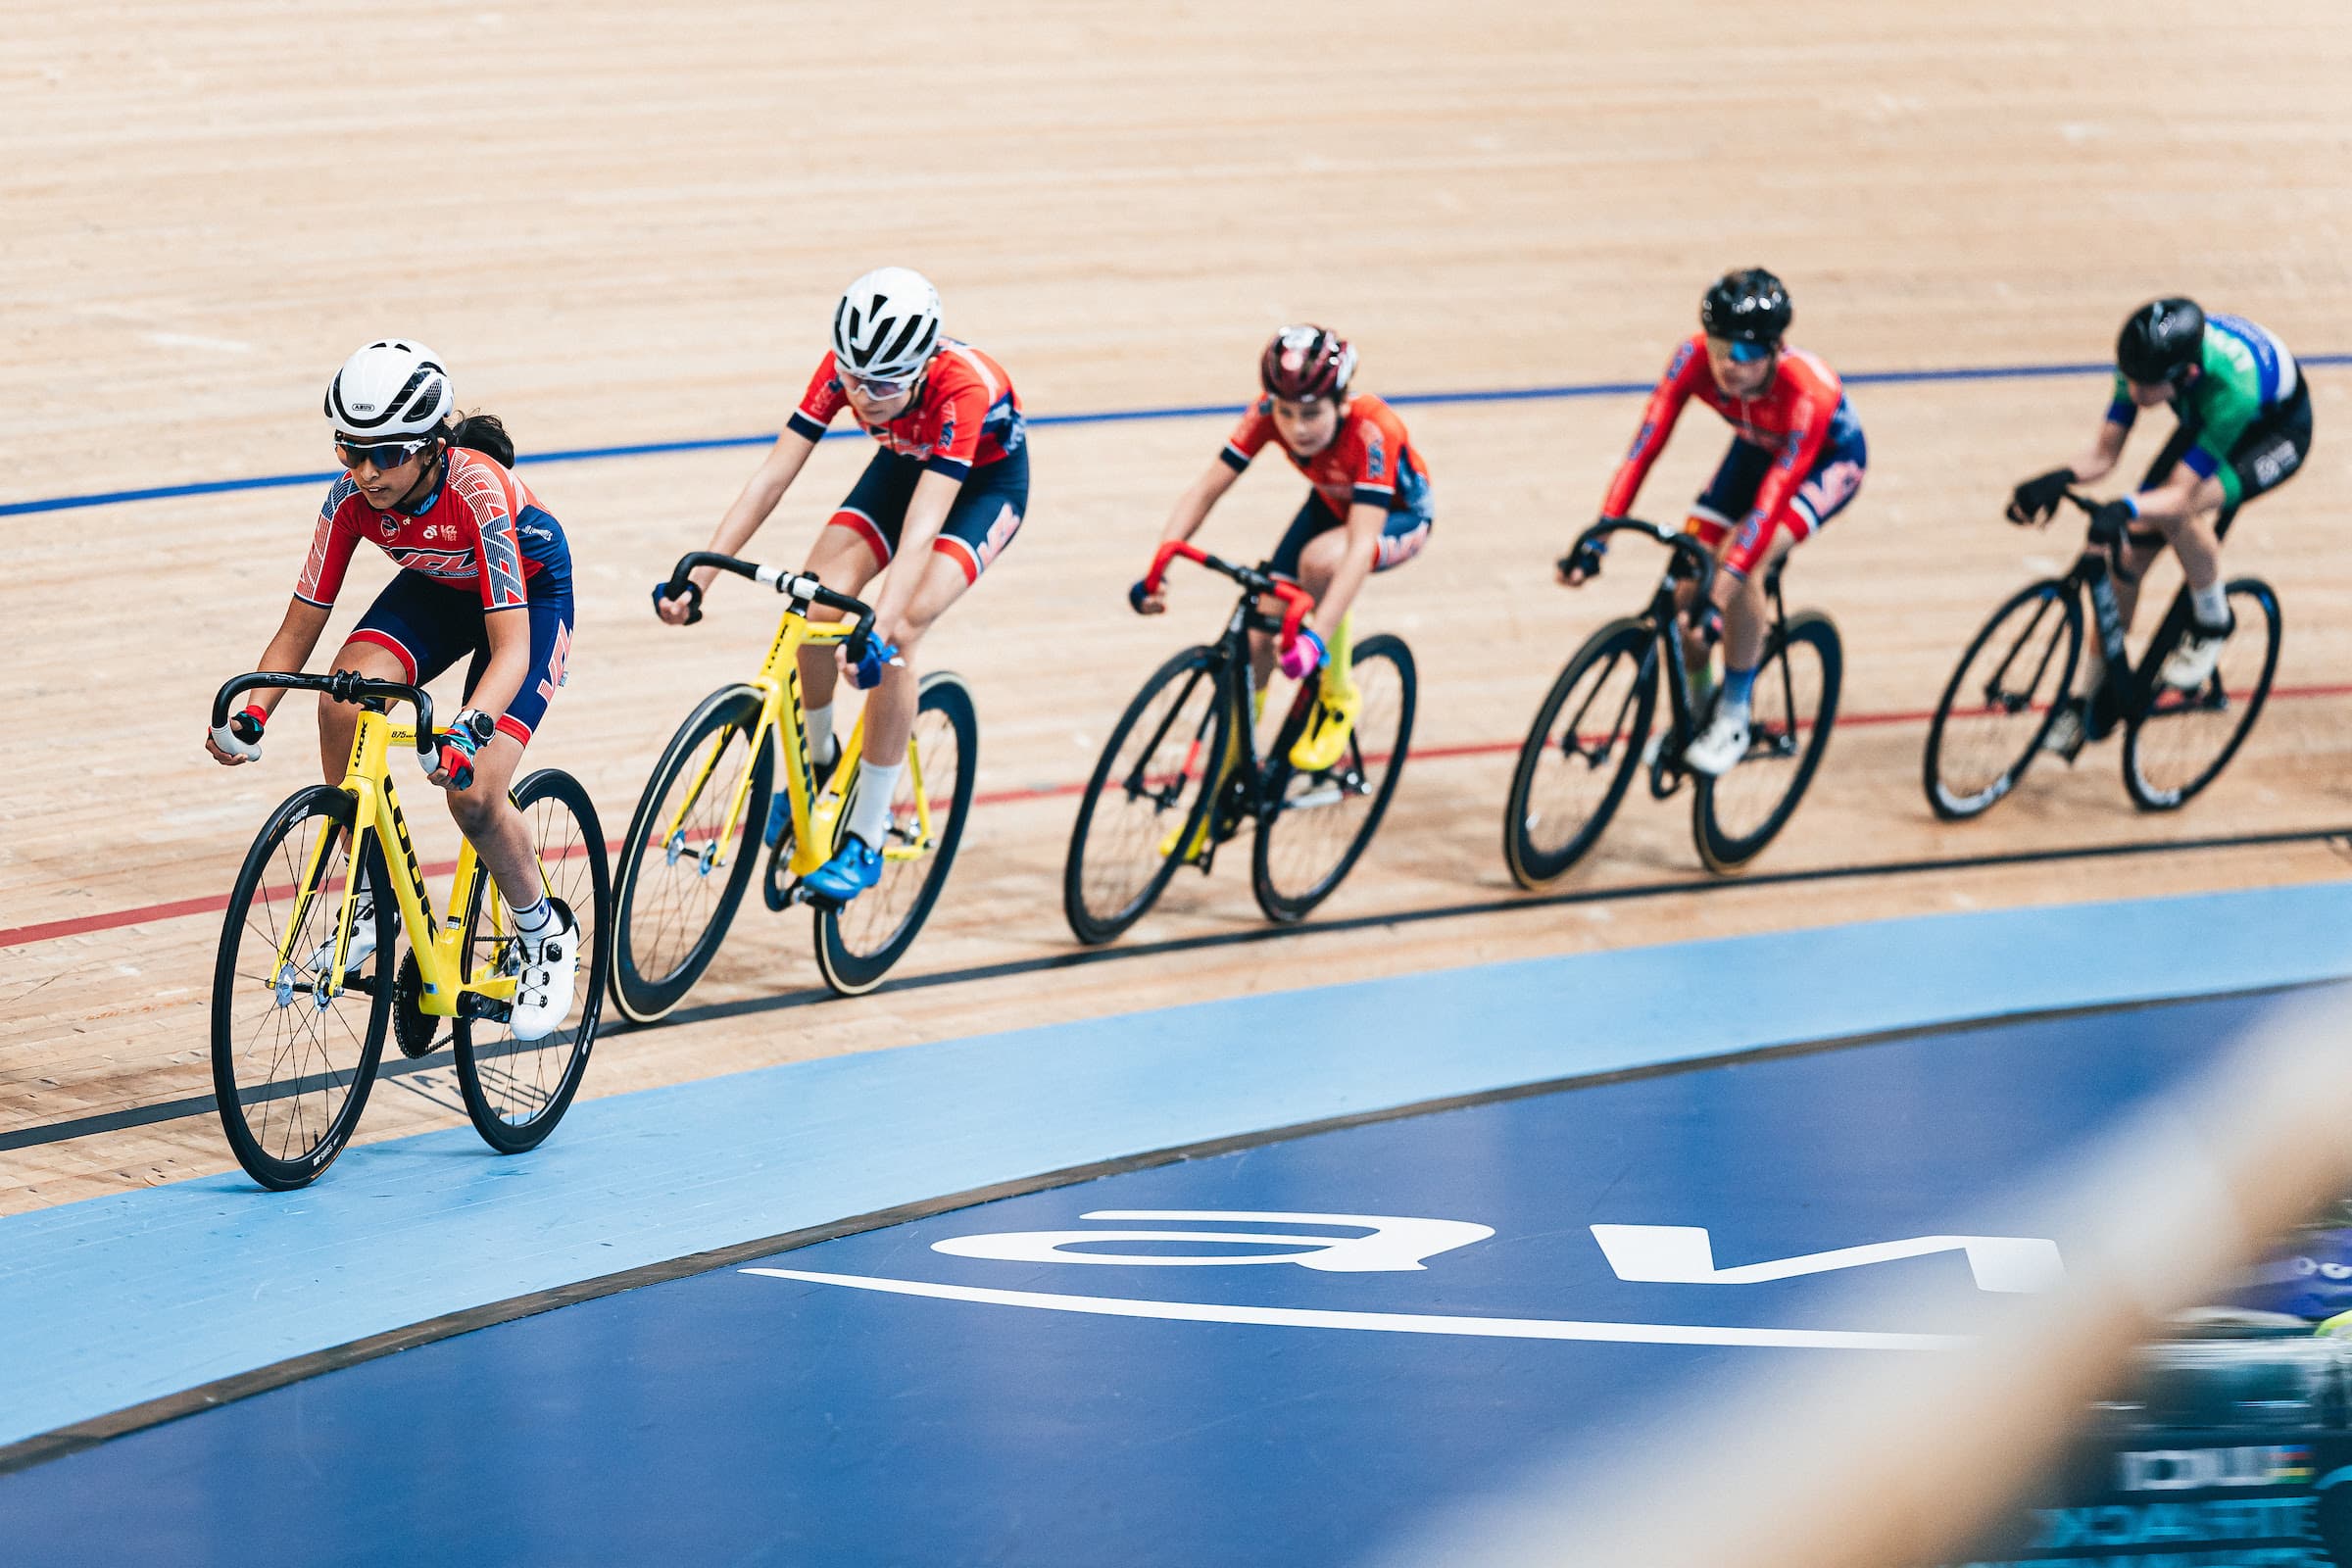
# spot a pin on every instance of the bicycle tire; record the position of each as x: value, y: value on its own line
x: 644, y: 997
x: 1956, y: 791
x: 1204, y: 670
x: 1353, y: 777
x: 1532, y: 865
x: 1776, y: 727
x: 292, y: 1147
x: 2171, y: 711
x: 540, y: 1077
x: 852, y: 965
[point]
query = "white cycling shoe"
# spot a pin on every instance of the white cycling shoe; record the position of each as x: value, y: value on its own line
x: 2067, y: 731
x: 1720, y: 747
x: 2190, y: 663
x: 546, y: 974
x: 362, y: 937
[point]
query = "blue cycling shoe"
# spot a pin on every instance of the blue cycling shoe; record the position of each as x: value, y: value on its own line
x: 779, y: 805
x: 855, y: 866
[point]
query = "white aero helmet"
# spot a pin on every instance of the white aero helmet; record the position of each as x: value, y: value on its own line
x: 887, y: 325
x: 392, y: 387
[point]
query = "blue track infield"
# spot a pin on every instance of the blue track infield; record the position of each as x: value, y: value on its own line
x: 1345, y: 1331
x: 1525, y: 394
x: 114, y: 1301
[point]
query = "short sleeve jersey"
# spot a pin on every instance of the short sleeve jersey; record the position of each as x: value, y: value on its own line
x: 479, y: 530
x: 1370, y: 462
x: 967, y: 415
x: 2246, y: 373
x: 1792, y: 418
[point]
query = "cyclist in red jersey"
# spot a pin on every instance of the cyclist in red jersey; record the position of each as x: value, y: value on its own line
x: 948, y: 488
x: 1368, y: 509
x: 485, y: 574
x: 1797, y: 458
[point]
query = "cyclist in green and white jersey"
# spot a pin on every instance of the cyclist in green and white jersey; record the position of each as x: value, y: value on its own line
x: 2244, y: 428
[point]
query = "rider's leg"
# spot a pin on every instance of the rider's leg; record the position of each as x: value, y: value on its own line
x: 339, y: 722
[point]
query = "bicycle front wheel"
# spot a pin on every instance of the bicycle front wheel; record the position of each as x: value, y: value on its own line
x: 516, y: 1090
x: 1581, y: 753
x: 1312, y: 828
x: 294, y: 1056
x: 1795, y: 704
x: 856, y: 944
x: 686, y: 861
x: 1147, y: 806
x: 2185, y: 739
x: 2003, y: 700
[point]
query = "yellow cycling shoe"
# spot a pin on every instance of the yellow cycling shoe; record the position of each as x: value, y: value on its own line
x: 1325, y: 738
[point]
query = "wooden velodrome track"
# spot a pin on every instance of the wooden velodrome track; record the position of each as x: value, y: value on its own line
x: 624, y: 226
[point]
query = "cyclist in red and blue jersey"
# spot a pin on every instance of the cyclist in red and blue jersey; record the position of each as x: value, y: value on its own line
x: 1368, y: 508
x: 1796, y: 460
x: 485, y: 575
x: 2244, y: 412
x: 948, y: 488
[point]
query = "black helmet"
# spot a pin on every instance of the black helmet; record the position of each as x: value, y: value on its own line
x: 2161, y: 342
x: 1751, y: 306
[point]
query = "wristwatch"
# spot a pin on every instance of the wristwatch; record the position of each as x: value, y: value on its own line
x: 478, y: 724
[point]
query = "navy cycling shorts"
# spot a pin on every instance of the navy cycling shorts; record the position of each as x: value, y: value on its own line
x: 430, y: 627
x: 981, y: 520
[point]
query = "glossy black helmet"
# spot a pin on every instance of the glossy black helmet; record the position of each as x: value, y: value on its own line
x: 1749, y: 305
x: 2162, y: 341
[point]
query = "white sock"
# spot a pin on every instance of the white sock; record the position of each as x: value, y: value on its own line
x: 870, y: 811
x: 535, y: 920
x: 2211, y: 604
x: 822, y: 747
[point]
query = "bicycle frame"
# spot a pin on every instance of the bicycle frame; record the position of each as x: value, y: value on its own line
x: 439, y: 947
x: 783, y: 723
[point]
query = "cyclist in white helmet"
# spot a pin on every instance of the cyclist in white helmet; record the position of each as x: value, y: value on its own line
x: 485, y: 575
x: 948, y: 488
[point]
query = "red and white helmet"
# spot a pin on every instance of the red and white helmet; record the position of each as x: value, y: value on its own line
x: 1306, y: 363
x: 392, y: 387
x: 887, y: 325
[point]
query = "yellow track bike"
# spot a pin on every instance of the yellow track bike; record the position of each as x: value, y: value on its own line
x: 695, y: 838
x: 298, y: 1028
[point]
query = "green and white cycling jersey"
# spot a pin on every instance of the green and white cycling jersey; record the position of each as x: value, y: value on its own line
x: 2247, y: 373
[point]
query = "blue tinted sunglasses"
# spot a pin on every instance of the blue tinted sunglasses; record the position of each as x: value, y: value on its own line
x: 385, y: 455
x: 1747, y: 353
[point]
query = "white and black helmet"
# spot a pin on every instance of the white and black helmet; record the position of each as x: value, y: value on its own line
x: 392, y: 387
x: 887, y: 325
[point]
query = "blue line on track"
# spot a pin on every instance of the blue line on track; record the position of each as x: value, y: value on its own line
x: 1192, y: 411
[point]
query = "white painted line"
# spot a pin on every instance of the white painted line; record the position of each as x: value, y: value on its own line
x: 1291, y: 1317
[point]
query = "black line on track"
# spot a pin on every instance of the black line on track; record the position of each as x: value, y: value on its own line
x: 84, y: 1435
x: 58, y: 1131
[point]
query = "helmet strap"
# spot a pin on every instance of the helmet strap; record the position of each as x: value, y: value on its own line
x: 426, y: 479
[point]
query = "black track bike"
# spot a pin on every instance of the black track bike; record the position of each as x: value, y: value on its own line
x: 1590, y: 735
x: 2015, y: 678
x: 1182, y: 772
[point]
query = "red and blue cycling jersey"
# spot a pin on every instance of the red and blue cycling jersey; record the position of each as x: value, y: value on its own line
x: 966, y: 416
x: 480, y: 528
x: 1801, y: 411
x: 1370, y: 462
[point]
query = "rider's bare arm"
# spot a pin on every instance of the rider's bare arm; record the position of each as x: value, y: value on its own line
x: 926, y: 510
x: 2098, y: 461
x: 766, y: 487
x: 1191, y: 511
x: 288, y: 651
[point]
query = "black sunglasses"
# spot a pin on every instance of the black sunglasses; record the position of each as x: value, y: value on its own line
x: 385, y: 454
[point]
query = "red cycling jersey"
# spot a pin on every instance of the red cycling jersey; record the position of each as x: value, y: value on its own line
x: 1791, y: 419
x: 966, y: 416
x: 1370, y: 462
x: 480, y: 528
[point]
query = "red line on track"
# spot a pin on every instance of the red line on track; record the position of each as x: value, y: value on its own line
x: 82, y: 925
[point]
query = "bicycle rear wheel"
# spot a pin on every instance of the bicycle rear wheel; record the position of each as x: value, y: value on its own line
x: 674, y: 897
x: 1796, y: 704
x: 2003, y: 700
x: 1581, y: 753
x: 856, y: 944
x: 1312, y: 828
x: 2185, y: 739
x: 1147, y: 800
x: 292, y: 1065
x: 516, y: 1090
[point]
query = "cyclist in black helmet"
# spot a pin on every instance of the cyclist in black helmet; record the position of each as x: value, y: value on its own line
x: 2244, y: 428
